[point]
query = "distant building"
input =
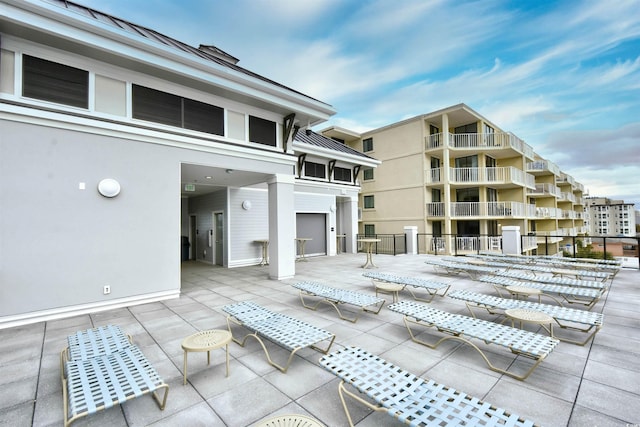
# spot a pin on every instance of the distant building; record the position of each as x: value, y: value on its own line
x: 607, y: 217
x: 460, y: 179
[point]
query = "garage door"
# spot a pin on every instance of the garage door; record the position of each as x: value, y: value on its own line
x: 313, y: 226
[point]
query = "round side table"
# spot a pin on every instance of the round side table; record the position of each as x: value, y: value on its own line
x: 526, y: 292
x: 206, y: 341
x: 524, y: 315
x: 388, y: 288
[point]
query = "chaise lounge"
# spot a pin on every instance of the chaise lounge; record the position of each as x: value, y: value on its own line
x: 565, y: 318
x: 336, y: 297
x: 431, y: 287
x: 464, y: 328
x: 101, y: 368
x: 287, y: 332
x: 407, y: 397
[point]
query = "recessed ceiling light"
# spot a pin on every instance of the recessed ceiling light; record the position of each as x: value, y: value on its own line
x: 209, y: 177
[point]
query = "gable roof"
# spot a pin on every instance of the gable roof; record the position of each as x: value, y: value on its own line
x: 314, y: 139
x: 207, y: 52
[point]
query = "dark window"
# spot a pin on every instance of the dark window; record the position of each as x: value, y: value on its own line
x: 262, y: 131
x: 203, y: 117
x: 156, y: 106
x: 50, y: 81
x: 367, y: 144
x: 342, y: 174
x: 316, y: 170
x: 369, y: 202
x: 162, y: 107
x: 368, y: 174
x: 369, y: 230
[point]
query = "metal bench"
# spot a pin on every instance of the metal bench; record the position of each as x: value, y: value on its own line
x: 430, y: 286
x: 569, y: 294
x: 285, y: 331
x: 101, y: 368
x: 412, y: 400
x: 336, y: 297
x: 565, y: 318
x: 465, y: 328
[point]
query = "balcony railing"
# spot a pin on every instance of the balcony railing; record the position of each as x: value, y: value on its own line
x: 482, y: 209
x: 495, y: 175
x: 456, y: 244
x: 545, y: 189
x: 499, y: 140
x: 543, y: 166
x: 568, y: 197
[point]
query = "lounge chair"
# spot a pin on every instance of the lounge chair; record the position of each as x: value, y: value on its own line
x: 430, y: 286
x: 407, y: 397
x: 456, y: 267
x: 565, y: 318
x: 569, y: 294
x: 285, y: 331
x: 465, y: 328
x: 336, y: 297
x: 553, y: 280
x: 101, y: 368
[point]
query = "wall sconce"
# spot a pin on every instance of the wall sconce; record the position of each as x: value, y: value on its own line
x: 109, y: 187
x: 246, y: 205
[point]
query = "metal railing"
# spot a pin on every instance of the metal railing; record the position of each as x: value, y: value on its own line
x: 390, y: 244
x: 457, y: 244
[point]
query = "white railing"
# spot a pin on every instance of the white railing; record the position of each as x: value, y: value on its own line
x: 499, y: 140
x: 543, y: 166
x: 529, y: 243
x: 548, y: 189
x: 568, y: 197
x: 435, y: 209
x: 495, y: 175
x: 434, y: 176
x: 491, y: 209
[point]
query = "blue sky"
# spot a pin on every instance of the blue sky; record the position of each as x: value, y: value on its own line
x: 562, y: 75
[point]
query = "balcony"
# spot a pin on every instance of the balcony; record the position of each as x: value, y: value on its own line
x: 545, y: 190
x: 569, y: 197
x: 479, y: 141
x: 543, y: 167
x: 482, y: 210
x: 492, y: 176
x: 548, y: 213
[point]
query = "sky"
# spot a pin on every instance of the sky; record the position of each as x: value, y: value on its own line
x: 564, y: 76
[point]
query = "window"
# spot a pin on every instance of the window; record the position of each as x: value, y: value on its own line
x: 168, y: 109
x: 316, y: 170
x: 342, y: 174
x: 368, y: 174
x: 369, y: 202
x: 367, y: 144
x: 369, y: 230
x: 50, y: 81
x: 262, y: 131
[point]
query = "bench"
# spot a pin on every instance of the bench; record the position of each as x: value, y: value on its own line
x: 285, y: 331
x: 407, y: 397
x: 336, y: 297
x: 565, y: 318
x: 101, y: 368
x: 570, y: 294
x: 465, y: 328
x: 430, y: 286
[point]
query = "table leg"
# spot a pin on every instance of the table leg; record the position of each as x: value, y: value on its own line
x: 227, y: 351
x: 209, y: 357
x: 184, y: 368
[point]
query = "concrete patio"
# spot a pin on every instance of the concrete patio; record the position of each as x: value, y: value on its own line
x: 594, y: 385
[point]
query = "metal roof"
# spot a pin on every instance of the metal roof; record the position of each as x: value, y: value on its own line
x: 207, y: 52
x: 312, y: 138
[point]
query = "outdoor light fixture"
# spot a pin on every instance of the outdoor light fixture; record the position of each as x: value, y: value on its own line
x: 246, y: 205
x: 109, y: 187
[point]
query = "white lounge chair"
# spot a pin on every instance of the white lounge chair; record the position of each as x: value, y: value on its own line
x: 431, y: 287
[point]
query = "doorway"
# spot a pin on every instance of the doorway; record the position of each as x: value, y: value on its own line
x: 218, y: 238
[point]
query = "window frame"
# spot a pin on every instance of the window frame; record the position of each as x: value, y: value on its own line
x: 366, y: 198
x: 367, y: 145
x: 40, y: 75
x: 316, y: 167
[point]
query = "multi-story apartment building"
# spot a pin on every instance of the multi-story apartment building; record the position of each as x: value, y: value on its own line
x: 607, y: 217
x: 459, y: 178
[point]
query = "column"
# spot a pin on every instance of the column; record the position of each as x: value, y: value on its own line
x: 411, y: 237
x: 282, y: 230
x: 511, y: 242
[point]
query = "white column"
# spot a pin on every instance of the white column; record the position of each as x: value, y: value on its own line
x: 511, y: 242
x: 350, y: 211
x: 282, y: 227
x: 411, y: 236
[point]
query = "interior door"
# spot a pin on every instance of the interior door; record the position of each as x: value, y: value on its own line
x: 218, y: 226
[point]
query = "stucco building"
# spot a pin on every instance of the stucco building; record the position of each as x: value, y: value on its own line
x: 124, y: 151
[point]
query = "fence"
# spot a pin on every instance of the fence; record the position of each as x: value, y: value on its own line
x: 455, y: 243
x: 390, y: 244
x: 595, y: 247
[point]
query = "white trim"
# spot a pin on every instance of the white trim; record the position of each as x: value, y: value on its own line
x: 76, y: 310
